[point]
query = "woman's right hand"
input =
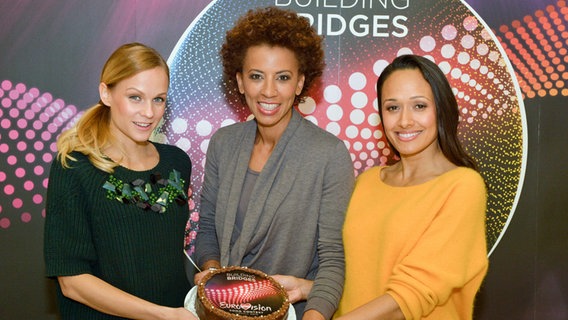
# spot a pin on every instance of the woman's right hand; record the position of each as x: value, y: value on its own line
x: 298, y: 289
x: 182, y: 314
x: 199, y: 276
x: 100, y: 295
x: 207, y: 267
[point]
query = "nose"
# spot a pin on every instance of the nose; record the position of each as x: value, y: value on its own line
x: 406, y: 119
x: 147, y: 110
x: 269, y: 88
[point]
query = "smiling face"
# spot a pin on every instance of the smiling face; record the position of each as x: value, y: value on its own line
x: 269, y: 81
x: 137, y: 105
x: 409, y: 113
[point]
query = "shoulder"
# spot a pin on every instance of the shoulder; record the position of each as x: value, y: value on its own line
x: 317, y: 133
x: 171, y: 151
x: 323, y: 144
x: 463, y: 180
x: 234, y: 129
x: 76, y: 160
x: 464, y: 175
x: 172, y: 157
x: 80, y: 171
x: 370, y: 172
x: 230, y: 138
x: 370, y: 175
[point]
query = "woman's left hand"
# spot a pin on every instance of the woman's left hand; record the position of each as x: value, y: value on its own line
x: 297, y: 288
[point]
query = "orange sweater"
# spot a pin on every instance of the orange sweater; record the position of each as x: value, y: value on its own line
x: 424, y: 245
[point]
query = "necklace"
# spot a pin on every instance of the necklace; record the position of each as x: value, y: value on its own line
x: 153, y: 195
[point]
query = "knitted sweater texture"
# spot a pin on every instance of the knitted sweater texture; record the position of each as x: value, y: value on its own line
x: 136, y: 250
x: 293, y: 222
x: 424, y: 245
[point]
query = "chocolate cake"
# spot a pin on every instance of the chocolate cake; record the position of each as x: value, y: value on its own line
x: 241, y: 294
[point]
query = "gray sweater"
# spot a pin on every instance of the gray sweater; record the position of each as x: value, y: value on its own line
x: 296, y: 211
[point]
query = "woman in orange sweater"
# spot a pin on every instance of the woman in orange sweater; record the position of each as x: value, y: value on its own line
x: 414, y: 233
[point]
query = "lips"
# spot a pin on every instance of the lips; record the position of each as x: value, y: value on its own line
x: 269, y: 106
x: 142, y: 124
x: 407, y: 135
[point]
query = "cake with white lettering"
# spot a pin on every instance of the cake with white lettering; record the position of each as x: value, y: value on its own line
x: 241, y: 294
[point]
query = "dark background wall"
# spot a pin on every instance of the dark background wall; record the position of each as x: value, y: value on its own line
x: 59, y: 47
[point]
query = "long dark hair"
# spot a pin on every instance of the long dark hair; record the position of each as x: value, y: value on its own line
x: 447, y: 114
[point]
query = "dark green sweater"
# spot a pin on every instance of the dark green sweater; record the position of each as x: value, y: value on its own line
x: 87, y: 230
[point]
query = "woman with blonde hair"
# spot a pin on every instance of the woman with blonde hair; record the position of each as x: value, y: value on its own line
x: 117, y: 203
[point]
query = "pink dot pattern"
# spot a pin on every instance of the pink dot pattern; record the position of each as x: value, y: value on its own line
x: 31, y: 122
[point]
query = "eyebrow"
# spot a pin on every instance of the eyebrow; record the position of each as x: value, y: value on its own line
x: 140, y: 91
x: 412, y: 98
x: 277, y: 72
x: 419, y: 97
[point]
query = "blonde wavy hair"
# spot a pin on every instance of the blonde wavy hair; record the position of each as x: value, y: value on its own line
x: 91, y: 134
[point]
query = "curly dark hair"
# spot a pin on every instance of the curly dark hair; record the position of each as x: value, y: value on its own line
x: 274, y: 27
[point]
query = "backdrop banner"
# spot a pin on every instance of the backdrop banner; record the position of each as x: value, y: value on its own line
x: 506, y: 62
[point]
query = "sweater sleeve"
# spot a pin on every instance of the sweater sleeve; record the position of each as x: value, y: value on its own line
x: 450, y: 253
x: 337, y: 188
x: 206, y: 243
x: 68, y: 249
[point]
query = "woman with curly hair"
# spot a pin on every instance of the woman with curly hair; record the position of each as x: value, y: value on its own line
x: 276, y: 188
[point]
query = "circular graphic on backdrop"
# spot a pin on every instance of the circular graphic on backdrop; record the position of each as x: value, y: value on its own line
x: 30, y: 122
x: 362, y: 37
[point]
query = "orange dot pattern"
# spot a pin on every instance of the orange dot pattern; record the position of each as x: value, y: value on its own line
x: 537, y: 47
